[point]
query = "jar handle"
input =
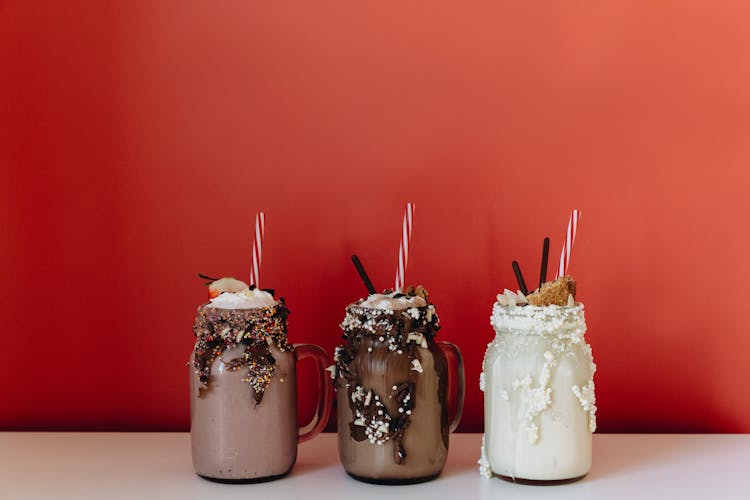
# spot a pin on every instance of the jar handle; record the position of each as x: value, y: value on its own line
x: 325, y: 390
x: 451, y: 351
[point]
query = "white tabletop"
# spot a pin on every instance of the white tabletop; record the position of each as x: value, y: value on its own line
x: 157, y: 465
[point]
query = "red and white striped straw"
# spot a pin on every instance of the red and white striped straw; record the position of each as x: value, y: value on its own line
x: 570, y: 238
x: 260, y: 229
x: 403, y: 250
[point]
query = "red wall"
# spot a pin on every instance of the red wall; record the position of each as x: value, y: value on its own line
x: 137, y: 140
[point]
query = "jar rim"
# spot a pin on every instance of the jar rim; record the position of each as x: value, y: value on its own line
x: 539, y: 320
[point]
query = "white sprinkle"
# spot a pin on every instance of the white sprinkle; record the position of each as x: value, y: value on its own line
x: 416, y: 366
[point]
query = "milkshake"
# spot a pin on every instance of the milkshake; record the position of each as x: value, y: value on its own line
x: 243, y: 409
x: 538, y: 385
x: 392, y: 381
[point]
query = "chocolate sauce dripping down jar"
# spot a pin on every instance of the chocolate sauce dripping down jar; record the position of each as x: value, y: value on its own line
x: 243, y: 394
x: 392, y: 390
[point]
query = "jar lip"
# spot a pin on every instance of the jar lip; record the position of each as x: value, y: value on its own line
x: 241, y: 326
x: 390, y: 323
x: 355, y: 307
x: 539, y: 320
x: 531, y: 309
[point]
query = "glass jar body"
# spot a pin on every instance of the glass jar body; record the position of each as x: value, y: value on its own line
x: 539, y: 404
x: 235, y: 439
x: 425, y: 440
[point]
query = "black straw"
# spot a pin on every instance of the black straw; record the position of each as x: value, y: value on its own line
x: 363, y: 274
x: 545, y: 256
x: 519, y: 278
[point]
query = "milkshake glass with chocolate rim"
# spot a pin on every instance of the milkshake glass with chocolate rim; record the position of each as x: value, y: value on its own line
x: 243, y: 404
x: 392, y: 387
x: 538, y: 385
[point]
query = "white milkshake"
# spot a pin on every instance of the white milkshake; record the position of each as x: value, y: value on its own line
x: 539, y: 392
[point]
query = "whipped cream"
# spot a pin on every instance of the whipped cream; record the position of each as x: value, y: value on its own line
x: 388, y: 302
x: 246, y: 299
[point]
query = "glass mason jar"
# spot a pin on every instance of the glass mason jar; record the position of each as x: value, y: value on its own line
x: 538, y: 388
x: 243, y: 386
x: 392, y: 390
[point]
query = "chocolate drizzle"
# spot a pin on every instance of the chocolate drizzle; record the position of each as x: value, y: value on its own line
x: 383, y: 340
x: 216, y: 330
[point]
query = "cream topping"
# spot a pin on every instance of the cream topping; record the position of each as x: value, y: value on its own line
x: 388, y: 302
x: 246, y: 299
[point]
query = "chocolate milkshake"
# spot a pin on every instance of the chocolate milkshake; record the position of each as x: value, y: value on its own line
x: 392, y: 384
x: 243, y: 389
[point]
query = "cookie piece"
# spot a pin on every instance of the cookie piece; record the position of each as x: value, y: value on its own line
x: 554, y: 292
x: 418, y: 291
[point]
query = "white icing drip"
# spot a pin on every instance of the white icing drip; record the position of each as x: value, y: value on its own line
x: 587, y: 398
x: 481, y: 382
x: 484, y: 465
x: 535, y: 398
